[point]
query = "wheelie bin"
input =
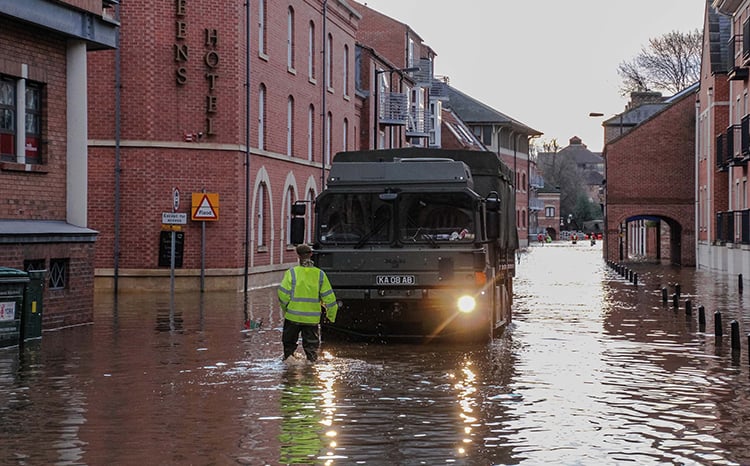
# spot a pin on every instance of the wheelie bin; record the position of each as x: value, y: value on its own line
x: 12, y: 287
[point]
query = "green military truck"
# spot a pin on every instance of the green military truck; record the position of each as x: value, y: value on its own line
x: 417, y: 243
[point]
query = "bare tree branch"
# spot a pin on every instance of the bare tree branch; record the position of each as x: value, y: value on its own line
x: 669, y: 63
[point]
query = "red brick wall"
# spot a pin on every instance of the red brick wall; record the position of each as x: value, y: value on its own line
x: 157, y: 111
x: 650, y: 171
x: 38, y: 194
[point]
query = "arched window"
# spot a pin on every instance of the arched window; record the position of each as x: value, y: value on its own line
x: 261, y: 209
x: 262, y: 117
x: 329, y: 118
x: 290, y: 39
x: 310, y: 131
x: 262, y: 27
x: 329, y: 61
x: 346, y: 70
x: 346, y: 134
x: 311, y: 51
x: 290, y: 200
x: 290, y: 126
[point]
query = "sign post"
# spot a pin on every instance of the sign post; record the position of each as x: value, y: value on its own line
x: 204, y: 208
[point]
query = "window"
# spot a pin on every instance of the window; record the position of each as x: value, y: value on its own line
x: 329, y: 62
x: 34, y: 264
x: 7, y: 119
x: 310, y: 131
x: 290, y: 199
x: 311, y: 52
x: 58, y: 274
x: 262, y: 27
x: 346, y: 71
x: 329, y: 117
x: 260, y: 216
x: 549, y: 212
x: 346, y: 134
x: 290, y: 126
x: 262, y: 117
x: 33, y: 123
x: 27, y: 122
x: 290, y: 39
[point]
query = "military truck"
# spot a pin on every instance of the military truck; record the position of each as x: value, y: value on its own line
x: 417, y: 243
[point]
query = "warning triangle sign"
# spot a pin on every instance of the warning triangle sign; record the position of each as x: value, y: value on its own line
x: 205, y: 210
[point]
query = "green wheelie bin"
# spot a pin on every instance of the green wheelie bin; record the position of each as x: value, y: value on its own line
x: 12, y: 287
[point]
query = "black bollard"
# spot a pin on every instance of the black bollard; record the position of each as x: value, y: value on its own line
x: 739, y: 283
x: 635, y: 279
x: 675, y: 301
x: 718, y: 332
x: 701, y: 318
x: 664, y: 294
x: 677, y: 289
x: 688, y: 307
x: 735, y: 326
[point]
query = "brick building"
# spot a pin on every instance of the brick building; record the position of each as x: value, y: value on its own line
x: 185, y: 104
x: 656, y: 220
x: 44, y: 48
x: 723, y: 140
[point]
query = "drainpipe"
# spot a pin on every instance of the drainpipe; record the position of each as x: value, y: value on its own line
x: 696, y: 227
x: 324, y: 113
x: 247, y: 154
x: 118, y: 169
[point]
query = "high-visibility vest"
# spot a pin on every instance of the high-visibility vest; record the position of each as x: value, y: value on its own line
x: 301, y: 293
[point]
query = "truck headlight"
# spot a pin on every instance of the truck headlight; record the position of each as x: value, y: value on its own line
x: 466, y: 304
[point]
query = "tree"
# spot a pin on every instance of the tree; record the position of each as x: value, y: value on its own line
x: 669, y: 63
x: 562, y: 173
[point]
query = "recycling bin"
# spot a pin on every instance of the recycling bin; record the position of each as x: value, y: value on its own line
x: 12, y: 287
x: 31, y: 318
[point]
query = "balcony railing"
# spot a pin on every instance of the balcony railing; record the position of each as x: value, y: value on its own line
x: 733, y: 227
x: 536, y: 204
x: 536, y: 181
x: 419, y: 124
x: 438, y: 90
x: 393, y: 109
x: 735, y: 63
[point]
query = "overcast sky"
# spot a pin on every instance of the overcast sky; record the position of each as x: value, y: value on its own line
x: 546, y: 63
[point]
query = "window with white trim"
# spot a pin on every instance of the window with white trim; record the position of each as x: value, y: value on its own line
x: 346, y: 70
x: 345, y: 134
x: 262, y: 117
x: 24, y: 127
x: 310, y: 131
x: 262, y: 27
x: 290, y: 126
x: 311, y: 51
x: 329, y: 62
x: 290, y: 199
x: 260, y: 215
x: 329, y: 119
x: 290, y: 39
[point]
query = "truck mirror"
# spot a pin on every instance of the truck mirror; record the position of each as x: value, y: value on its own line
x: 297, y: 230
x: 492, y: 202
x: 298, y: 208
x: 388, y: 196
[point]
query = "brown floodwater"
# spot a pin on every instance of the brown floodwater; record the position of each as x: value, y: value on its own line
x: 593, y: 370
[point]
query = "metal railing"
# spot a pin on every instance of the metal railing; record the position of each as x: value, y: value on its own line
x: 393, y: 108
x: 733, y: 227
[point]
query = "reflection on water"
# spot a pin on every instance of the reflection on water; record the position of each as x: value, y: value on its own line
x: 593, y: 370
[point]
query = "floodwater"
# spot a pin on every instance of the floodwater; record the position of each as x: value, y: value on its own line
x: 594, y: 370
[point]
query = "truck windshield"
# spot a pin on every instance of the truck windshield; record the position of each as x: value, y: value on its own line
x: 436, y: 217
x: 351, y: 218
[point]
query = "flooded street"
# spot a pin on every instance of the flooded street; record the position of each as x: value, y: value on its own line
x: 594, y: 370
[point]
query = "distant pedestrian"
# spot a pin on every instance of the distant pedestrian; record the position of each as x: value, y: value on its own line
x: 302, y: 292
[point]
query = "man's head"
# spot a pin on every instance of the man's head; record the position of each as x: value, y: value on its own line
x: 304, y: 251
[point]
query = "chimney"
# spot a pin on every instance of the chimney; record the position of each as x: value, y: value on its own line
x: 638, y: 98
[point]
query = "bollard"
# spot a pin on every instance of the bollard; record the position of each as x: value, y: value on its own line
x: 635, y: 279
x: 701, y: 318
x: 688, y: 307
x: 664, y: 294
x: 677, y: 289
x: 717, y: 325
x: 739, y: 283
x: 675, y: 301
x: 735, y: 326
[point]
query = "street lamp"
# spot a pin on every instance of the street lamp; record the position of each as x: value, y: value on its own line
x: 376, y: 111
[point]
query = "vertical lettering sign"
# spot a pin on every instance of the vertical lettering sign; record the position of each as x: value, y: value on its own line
x: 211, y: 61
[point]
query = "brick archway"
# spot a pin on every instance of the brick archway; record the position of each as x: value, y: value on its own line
x: 641, y: 233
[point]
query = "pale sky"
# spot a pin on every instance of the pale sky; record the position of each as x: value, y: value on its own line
x: 545, y: 63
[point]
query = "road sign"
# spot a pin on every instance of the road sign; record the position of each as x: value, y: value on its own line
x: 175, y: 199
x: 205, y: 207
x: 173, y: 218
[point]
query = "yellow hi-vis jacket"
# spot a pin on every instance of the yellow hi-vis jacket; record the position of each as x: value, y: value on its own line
x: 301, y: 293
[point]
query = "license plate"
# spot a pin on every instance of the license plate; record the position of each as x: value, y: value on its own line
x: 395, y: 280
